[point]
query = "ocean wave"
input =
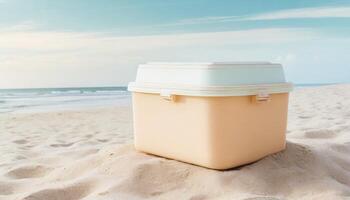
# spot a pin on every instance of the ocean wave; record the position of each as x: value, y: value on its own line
x: 61, y: 91
x: 67, y: 92
x: 18, y: 100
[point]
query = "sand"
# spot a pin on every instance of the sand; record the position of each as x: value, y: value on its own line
x: 88, y: 154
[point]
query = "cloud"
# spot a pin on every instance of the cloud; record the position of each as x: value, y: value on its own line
x: 23, y: 26
x: 42, y: 59
x: 38, y: 49
x: 316, y: 12
x: 203, y: 20
x: 64, y: 59
x: 46, y: 41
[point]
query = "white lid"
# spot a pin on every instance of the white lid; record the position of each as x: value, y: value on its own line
x: 210, y: 79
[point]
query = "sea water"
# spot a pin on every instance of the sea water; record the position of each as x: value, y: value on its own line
x: 58, y: 99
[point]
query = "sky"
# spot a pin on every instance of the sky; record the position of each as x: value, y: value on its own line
x: 87, y: 43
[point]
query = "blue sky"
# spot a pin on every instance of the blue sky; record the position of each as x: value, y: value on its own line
x: 45, y: 43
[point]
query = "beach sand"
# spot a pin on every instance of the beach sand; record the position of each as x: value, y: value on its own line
x: 88, y: 154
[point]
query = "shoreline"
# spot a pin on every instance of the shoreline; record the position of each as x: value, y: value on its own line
x: 77, y: 99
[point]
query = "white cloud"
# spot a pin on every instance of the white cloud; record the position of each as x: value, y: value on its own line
x: 317, y: 12
x: 53, y: 59
x: 56, y: 59
x: 23, y: 26
x: 203, y: 20
x: 45, y: 41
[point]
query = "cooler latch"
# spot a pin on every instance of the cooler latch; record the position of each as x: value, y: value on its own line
x: 166, y: 95
x: 262, y: 97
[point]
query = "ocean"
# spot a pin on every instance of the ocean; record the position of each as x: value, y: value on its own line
x: 58, y: 99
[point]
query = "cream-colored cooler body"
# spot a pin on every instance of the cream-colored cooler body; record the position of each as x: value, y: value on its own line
x: 214, y: 132
x: 216, y: 115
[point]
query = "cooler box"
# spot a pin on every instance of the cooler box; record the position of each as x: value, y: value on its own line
x: 216, y: 115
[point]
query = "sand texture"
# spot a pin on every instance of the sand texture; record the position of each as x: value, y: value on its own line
x: 88, y: 154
